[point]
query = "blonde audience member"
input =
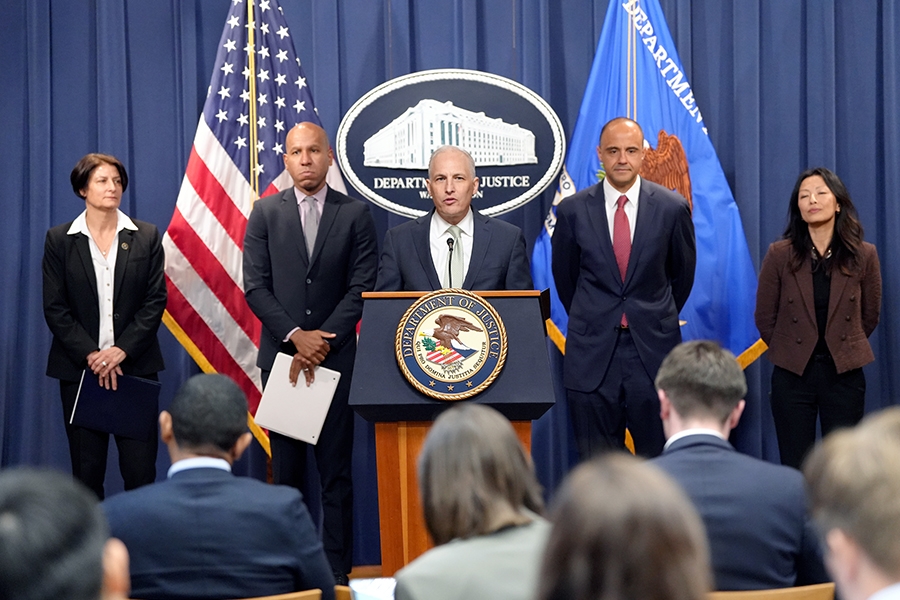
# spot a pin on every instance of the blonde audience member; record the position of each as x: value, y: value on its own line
x: 853, y: 480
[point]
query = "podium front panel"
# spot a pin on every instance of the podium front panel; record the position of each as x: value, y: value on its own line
x: 522, y: 391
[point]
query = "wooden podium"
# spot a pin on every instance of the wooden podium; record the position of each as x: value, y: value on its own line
x: 402, y: 415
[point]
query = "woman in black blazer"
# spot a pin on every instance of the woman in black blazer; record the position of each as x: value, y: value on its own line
x: 104, y: 296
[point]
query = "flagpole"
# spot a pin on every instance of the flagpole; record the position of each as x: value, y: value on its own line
x: 251, y: 65
x: 631, y: 73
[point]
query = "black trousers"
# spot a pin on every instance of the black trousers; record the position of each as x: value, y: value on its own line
x: 89, y: 448
x: 798, y: 400
x: 333, y: 452
x: 626, y: 397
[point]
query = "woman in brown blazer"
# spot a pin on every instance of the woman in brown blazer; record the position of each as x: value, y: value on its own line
x: 818, y: 301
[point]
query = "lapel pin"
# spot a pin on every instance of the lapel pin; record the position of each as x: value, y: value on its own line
x: 124, y: 245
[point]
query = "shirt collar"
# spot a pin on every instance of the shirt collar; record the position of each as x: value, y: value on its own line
x: 891, y: 591
x: 611, y: 194
x: 693, y: 431
x: 199, y: 462
x: 319, y: 196
x: 439, y: 226
x: 79, y: 225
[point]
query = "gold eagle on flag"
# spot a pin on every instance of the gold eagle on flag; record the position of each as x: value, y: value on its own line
x: 668, y: 165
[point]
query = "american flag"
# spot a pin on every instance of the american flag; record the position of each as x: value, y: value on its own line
x: 439, y: 357
x: 444, y: 359
x: 256, y: 94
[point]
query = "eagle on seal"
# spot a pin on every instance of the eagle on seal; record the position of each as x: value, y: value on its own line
x: 449, y: 328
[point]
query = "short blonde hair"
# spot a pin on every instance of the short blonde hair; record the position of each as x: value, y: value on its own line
x: 853, y: 484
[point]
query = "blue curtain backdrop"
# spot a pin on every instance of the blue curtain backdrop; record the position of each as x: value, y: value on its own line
x: 782, y: 86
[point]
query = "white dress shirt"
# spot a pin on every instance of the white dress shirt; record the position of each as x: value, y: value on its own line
x: 104, y: 271
x: 438, y: 235
x: 891, y: 592
x: 693, y: 431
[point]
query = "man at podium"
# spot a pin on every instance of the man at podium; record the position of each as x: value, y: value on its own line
x: 453, y: 246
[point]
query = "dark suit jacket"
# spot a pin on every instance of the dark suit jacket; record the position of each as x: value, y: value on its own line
x: 754, y: 513
x: 498, y: 259
x: 286, y: 288
x: 786, y: 312
x: 657, y: 284
x: 71, y: 305
x: 205, y: 533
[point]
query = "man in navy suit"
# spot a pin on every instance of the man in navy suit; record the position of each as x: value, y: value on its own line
x: 759, y: 533
x: 419, y: 255
x: 204, y: 533
x: 309, y: 253
x: 623, y: 262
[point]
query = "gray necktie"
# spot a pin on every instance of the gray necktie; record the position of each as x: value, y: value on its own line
x: 311, y: 226
x: 455, y: 260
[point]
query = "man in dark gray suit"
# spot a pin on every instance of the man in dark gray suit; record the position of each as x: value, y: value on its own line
x: 309, y: 253
x: 755, y: 512
x: 453, y: 245
x: 204, y: 533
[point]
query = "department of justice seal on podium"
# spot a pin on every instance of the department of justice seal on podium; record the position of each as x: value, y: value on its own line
x: 451, y: 344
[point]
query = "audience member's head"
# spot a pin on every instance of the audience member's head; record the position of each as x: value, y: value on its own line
x: 474, y: 475
x: 207, y: 417
x: 624, y: 531
x: 704, y: 385
x: 54, y: 541
x: 853, y: 480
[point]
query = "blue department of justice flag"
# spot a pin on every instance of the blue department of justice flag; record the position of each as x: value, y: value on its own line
x: 637, y: 74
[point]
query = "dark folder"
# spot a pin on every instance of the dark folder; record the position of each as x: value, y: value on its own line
x: 129, y: 411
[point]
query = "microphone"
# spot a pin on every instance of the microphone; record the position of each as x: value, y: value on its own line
x: 449, y: 261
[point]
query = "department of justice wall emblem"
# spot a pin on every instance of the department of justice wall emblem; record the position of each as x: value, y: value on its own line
x: 451, y: 344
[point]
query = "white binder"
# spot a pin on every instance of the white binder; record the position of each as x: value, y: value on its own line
x: 296, y: 411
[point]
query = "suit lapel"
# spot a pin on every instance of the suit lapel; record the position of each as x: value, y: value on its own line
x: 421, y: 240
x: 596, y: 210
x: 838, y: 283
x: 126, y: 239
x: 646, y: 214
x: 480, y: 242
x: 291, y: 215
x: 83, y: 249
x: 804, y: 280
x: 329, y: 214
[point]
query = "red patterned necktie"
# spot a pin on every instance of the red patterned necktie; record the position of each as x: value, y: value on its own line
x: 622, y: 242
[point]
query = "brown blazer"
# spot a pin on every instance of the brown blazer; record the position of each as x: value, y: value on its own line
x: 786, y: 317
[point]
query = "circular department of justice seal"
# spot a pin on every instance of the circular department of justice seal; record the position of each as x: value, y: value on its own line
x: 451, y: 344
